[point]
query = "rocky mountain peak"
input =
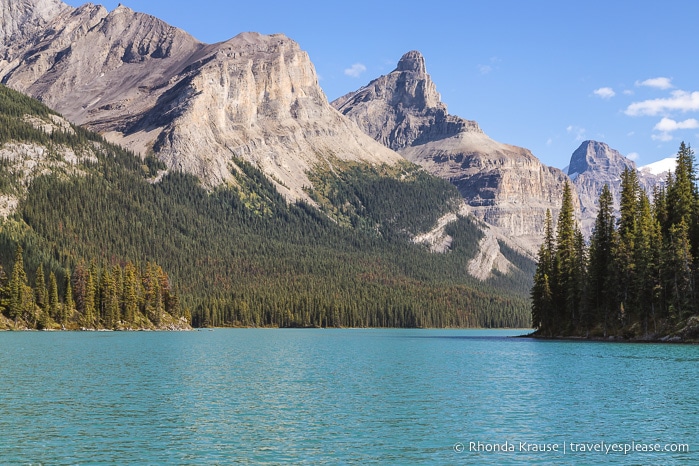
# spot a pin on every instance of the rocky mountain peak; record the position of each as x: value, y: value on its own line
x: 403, y: 108
x: 506, y: 186
x: 593, y: 165
x: 199, y: 107
x: 21, y: 18
x: 598, y: 156
x: 412, y: 61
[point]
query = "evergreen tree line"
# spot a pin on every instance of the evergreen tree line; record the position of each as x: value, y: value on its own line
x: 636, y: 278
x: 244, y: 256
x: 92, y: 297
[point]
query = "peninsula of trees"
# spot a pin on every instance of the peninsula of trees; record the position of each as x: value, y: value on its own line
x: 636, y: 278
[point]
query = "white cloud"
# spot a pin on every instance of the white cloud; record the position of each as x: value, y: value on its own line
x: 485, y: 69
x: 664, y: 137
x: 604, y: 92
x: 668, y: 124
x: 628, y: 92
x: 632, y: 156
x: 680, y: 101
x: 355, y: 70
x: 549, y: 141
x: 577, y: 131
x: 658, y: 83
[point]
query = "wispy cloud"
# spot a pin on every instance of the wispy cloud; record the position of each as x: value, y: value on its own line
x: 663, y: 137
x: 668, y: 124
x: 604, y: 92
x: 632, y: 156
x: 355, y: 70
x: 658, y: 83
x: 680, y: 101
x: 628, y: 92
x: 577, y: 131
x: 492, y: 65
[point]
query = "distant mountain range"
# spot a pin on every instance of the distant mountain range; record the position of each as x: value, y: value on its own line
x: 595, y: 164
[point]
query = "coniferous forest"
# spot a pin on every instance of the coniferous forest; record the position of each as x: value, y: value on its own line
x: 636, y: 277
x: 98, y: 243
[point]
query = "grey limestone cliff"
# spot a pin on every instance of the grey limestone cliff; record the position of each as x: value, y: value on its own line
x: 152, y: 87
x: 504, y: 185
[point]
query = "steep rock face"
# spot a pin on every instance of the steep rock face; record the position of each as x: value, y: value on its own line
x: 22, y: 19
x: 504, y: 185
x: 150, y: 86
x: 593, y: 165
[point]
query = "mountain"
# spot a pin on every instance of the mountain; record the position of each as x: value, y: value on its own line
x: 661, y: 167
x: 239, y: 255
x: 595, y: 164
x: 153, y: 88
x: 505, y: 186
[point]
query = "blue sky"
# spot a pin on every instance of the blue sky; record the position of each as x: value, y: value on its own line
x: 544, y: 75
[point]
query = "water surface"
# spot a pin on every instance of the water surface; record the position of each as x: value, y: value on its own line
x: 340, y: 396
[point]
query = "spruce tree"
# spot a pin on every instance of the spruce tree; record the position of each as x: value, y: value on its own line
x: 54, y: 308
x: 624, y: 246
x: 17, y: 289
x: 69, y: 302
x: 678, y: 263
x: 89, y: 317
x: 130, y: 301
x: 600, y: 296
x: 543, y: 317
x: 41, y: 294
x: 567, y: 266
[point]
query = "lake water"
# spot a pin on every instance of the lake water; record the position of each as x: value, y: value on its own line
x: 342, y: 396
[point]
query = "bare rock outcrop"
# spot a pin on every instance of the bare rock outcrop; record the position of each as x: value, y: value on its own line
x: 23, y: 19
x: 595, y: 164
x: 505, y: 186
x: 152, y: 87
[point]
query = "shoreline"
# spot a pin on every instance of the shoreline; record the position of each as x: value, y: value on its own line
x: 675, y: 340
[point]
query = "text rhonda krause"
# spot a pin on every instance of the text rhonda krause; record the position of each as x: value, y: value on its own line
x: 575, y: 447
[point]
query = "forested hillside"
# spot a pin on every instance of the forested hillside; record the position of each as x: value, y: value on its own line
x: 637, y: 278
x: 241, y: 255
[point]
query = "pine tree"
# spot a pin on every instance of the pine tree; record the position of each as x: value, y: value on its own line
x: 600, y: 281
x: 41, y: 294
x: 624, y: 246
x: 647, y: 285
x: 19, y: 303
x: 54, y: 308
x: 678, y: 272
x: 130, y: 301
x: 69, y: 301
x: 89, y: 317
x: 682, y: 193
x: 565, y: 287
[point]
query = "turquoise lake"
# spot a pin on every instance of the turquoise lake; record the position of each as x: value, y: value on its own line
x: 249, y: 396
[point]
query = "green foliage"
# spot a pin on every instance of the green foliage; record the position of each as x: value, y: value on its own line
x: 640, y: 278
x: 243, y: 256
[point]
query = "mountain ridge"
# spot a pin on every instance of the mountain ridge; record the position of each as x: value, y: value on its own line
x: 505, y: 186
x: 154, y: 88
x: 595, y: 164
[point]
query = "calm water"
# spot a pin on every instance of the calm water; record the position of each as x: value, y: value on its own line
x: 339, y: 397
